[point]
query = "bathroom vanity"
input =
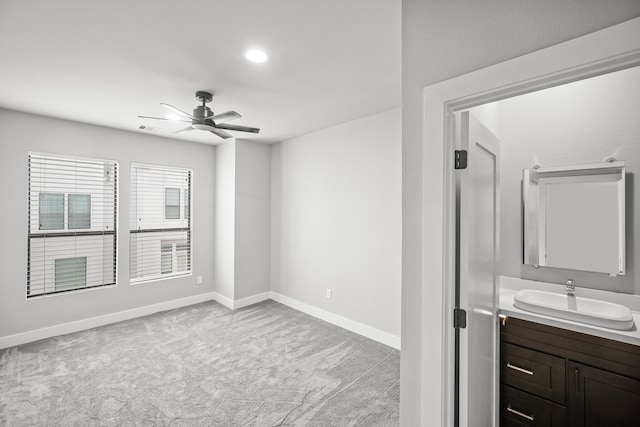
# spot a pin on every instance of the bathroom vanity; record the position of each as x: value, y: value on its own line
x: 557, y: 377
x: 558, y: 372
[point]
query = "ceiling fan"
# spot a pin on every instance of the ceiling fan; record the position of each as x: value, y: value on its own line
x: 205, y: 119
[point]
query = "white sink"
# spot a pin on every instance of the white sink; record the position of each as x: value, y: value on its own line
x: 578, y: 309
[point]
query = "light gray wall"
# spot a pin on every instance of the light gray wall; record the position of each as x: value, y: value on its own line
x: 583, y: 122
x: 253, y: 218
x: 243, y: 209
x: 21, y: 133
x: 225, y: 218
x: 336, y: 220
x: 443, y: 39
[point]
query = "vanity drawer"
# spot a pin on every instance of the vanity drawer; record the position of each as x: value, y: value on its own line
x: 520, y: 409
x: 535, y: 372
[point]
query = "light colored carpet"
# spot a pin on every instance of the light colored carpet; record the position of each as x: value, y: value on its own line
x: 203, y: 365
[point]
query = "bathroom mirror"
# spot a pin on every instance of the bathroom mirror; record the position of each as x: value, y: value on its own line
x: 574, y: 217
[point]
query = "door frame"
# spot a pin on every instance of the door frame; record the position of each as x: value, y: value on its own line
x: 612, y: 49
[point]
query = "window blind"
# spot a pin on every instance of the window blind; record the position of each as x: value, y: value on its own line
x: 72, y: 217
x: 160, y: 223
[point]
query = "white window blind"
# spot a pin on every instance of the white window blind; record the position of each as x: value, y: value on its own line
x: 160, y: 233
x: 72, y: 223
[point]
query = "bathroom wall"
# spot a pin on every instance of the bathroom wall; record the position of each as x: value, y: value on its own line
x: 583, y: 122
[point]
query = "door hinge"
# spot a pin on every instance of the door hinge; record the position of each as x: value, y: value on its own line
x: 461, y: 159
x: 459, y: 318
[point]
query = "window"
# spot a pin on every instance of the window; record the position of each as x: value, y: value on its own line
x: 174, y: 257
x: 160, y: 233
x: 166, y: 258
x: 71, y: 273
x: 72, y: 224
x: 181, y: 257
x: 51, y: 211
x: 172, y: 203
x: 79, y: 211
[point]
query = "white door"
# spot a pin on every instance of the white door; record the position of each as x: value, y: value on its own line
x: 478, y: 284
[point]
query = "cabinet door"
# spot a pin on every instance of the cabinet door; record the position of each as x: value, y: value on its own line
x: 599, y: 398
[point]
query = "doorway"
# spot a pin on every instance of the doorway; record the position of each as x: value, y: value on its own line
x: 598, y: 54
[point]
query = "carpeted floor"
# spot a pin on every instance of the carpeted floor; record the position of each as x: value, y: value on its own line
x: 203, y: 365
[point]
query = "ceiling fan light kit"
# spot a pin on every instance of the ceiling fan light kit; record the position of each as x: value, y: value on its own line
x: 205, y: 119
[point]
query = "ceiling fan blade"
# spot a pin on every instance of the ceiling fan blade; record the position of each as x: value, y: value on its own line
x: 162, y: 118
x: 227, y: 115
x: 185, y: 130
x: 237, y: 127
x: 178, y: 111
x: 222, y: 134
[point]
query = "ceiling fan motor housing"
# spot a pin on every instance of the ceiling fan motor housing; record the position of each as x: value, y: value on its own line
x: 200, y: 114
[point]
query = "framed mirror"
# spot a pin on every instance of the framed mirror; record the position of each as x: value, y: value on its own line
x: 574, y: 217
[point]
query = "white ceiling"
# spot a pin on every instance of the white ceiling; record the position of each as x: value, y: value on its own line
x: 106, y: 62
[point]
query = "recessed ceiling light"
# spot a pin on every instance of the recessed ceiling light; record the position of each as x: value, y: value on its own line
x: 255, y: 55
x: 172, y: 117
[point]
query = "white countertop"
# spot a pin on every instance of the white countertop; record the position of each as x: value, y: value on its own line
x: 510, y: 286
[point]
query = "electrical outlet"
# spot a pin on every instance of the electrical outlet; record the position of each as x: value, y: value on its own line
x: 328, y: 293
x: 199, y: 280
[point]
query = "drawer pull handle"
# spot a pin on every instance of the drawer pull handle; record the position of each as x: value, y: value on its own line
x: 521, y: 414
x: 519, y: 369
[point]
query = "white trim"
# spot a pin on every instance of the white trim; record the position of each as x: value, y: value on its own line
x: 254, y: 299
x: 93, y: 322
x: 239, y: 303
x: 221, y: 299
x: 614, y: 48
x: 343, y: 322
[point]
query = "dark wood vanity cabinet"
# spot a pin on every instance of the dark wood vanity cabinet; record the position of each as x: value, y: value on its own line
x: 555, y: 377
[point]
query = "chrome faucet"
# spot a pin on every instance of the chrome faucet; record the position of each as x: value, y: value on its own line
x: 571, y: 287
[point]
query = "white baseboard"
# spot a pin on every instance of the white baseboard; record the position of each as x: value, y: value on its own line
x: 343, y: 322
x: 227, y: 302
x: 239, y: 303
x: 92, y: 322
x: 254, y: 299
